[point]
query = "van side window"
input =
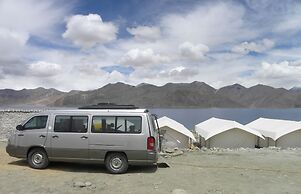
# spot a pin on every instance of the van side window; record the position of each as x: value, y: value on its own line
x: 37, y: 122
x: 110, y: 124
x: 128, y: 125
x: 71, y: 124
x: 103, y: 124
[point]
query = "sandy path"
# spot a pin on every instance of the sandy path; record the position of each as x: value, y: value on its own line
x: 195, y: 172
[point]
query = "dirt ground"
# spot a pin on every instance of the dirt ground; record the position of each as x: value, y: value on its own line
x: 255, y: 171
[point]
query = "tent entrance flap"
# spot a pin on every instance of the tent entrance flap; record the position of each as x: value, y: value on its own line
x: 173, y: 139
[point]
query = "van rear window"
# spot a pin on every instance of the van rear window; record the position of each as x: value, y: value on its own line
x: 119, y: 124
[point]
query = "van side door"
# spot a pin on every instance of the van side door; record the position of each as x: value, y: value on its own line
x: 34, y: 133
x: 117, y: 133
x: 69, y: 137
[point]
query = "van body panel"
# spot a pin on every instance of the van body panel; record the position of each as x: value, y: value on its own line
x: 27, y: 138
x: 89, y: 146
x: 134, y: 157
x: 67, y: 145
x: 133, y: 145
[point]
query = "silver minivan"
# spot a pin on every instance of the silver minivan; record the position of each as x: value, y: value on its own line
x: 117, y: 138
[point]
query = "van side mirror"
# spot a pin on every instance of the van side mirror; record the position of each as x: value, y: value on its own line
x: 20, y: 128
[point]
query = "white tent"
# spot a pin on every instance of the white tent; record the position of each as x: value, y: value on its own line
x: 281, y: 133
x: 223, y: 133
x: 174, y: 134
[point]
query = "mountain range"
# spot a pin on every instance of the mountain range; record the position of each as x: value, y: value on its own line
x: 171, y: 95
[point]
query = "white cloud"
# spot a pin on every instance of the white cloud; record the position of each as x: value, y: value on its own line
x: 44, y: 69
x: 175, y: 48
x: 283, y: 69
x: 19, y: 22
x: 89, y: 30
x: 139, y: 58
x: 285, y: 74
x: 259, y: 47
x: 12, y: 43
x: 34, y: 17
x: 193, y: 52
x: 290, y: 23
x: 179, y: 72
x: 145, y: 32
x: 211, y: 24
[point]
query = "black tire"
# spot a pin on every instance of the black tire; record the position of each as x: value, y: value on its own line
x: 116, y: 163
x: 37, y: 158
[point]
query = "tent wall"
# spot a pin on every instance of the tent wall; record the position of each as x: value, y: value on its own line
x: 202, y: 141
x: 174, y: 139
x: 291, y: 140
x: 267, y: 142
x: 233, y: 138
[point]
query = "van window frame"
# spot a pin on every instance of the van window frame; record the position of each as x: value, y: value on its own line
x: 115, y: 123
x: 33, y: 128
x: 70, y: 123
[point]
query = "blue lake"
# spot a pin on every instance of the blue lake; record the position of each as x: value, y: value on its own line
x: 191, y: 117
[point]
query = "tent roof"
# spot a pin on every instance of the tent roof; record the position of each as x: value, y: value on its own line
x: 274, y: 128
x: 168, y: 122
x: 214, y: 126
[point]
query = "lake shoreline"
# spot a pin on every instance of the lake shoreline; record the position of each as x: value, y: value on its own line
x: 10, y: 117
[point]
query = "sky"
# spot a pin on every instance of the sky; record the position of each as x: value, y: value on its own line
x: 86, y: 44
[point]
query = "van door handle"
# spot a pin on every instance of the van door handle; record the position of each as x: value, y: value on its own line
x: 42, y: 136
x: 55, y: 136
x: 84, y: 137
x: 20, y: 134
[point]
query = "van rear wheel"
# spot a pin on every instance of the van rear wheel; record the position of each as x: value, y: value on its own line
x: 37, y: 158
x: 116, y: 163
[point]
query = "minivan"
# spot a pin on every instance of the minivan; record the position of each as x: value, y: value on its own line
x: 116, y: 138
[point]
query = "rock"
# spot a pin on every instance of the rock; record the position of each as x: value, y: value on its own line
x: 204, y: 149
x: 177, y: 153
x: 179, y: 191
x: 169, y: 151
x: 79, y: 184
x: 196, y: 149
x: 88, y: 184
x: 163, y: 154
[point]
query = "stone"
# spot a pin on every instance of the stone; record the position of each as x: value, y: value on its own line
x: 163, y: 154
x: 204, y: 149
x: 179, y: 191
x: 79, y: 184
x: 177, y: 153
x: 88, y: 184
x: 169, y: 151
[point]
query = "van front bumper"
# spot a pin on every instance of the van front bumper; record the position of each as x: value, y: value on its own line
x: 13, y: 151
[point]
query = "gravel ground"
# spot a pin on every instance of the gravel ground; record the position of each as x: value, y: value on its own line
x: 216, y: 171
x: 208, y: 171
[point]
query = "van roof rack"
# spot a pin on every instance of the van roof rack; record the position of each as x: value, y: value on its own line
x: 109, y: 106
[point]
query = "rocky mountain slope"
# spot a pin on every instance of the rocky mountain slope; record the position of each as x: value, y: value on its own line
x: 39, y: 96
x: 171, y: 95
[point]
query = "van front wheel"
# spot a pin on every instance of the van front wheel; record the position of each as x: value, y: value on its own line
x: 116, y: 163
x: 37, y: 158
